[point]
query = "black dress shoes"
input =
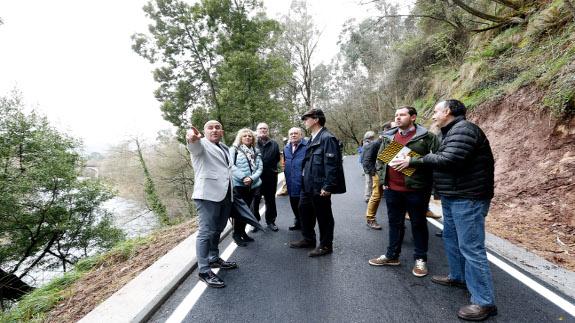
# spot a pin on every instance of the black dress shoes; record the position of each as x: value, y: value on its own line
x: 246, y: 238
x: 220, y: 263
x: 212, y: 279
x: 238, y: 239
x: 296, y: 226
x: 273, y: 227
x: 302, y: 244
x: 475, y: 312
x: 321, y: 251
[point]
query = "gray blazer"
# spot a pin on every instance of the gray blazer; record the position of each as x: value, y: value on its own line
x: 212, y: 175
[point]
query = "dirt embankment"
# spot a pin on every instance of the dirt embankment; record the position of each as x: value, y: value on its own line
x: 534, y: 204
x: 100, y: 283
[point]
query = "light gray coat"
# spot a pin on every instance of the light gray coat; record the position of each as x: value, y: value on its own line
x: 212, y: 173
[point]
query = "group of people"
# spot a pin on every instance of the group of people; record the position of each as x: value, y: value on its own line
x: 457, y: 162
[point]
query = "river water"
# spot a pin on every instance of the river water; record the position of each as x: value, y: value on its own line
x: 130, y: 216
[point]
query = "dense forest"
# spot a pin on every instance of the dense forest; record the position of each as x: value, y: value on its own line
x: 512, y: 62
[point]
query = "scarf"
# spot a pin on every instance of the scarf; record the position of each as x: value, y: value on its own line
x: 250, y: 155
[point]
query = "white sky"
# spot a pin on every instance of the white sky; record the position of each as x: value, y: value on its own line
x: 72, y: 60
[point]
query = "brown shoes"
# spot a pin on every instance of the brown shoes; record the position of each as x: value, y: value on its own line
x: 420, y: 268
x: 372, y: 224
x: 432, y: 215
x: 383, y: 261
x: 474, y: 312
x: 300, y: 244
x: 321, y: 251
x: 446, y: 281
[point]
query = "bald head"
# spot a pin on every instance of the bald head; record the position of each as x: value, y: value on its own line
x: 213, y: 131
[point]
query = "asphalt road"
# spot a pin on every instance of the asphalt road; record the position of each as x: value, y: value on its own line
x: 277, y: 284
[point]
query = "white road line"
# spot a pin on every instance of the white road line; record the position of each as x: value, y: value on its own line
x: 538, y: 288
x: 192, y: 298
x: 188, y: 303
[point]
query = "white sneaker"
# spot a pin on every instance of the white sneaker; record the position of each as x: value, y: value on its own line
x: 420, y: 268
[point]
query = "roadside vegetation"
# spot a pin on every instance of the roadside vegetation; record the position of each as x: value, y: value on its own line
x: 510, y: 60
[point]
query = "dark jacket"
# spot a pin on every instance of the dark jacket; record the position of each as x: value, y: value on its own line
x: 322, y: 165
x: 293, y: 167
x: 369, y: 157
x: 463, y: 166
x: 270, y: 152
x: 423, y: 142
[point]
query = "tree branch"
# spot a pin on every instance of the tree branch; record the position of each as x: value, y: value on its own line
x: 418, y: 16
x: 509, y: 4
x: 478, y: 13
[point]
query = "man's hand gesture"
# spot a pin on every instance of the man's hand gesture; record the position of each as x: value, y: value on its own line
x: 193, y: 135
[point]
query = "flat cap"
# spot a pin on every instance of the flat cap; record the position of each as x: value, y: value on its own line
x: 313, y: 113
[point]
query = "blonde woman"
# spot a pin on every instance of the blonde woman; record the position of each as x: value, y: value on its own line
x: 246, y: 171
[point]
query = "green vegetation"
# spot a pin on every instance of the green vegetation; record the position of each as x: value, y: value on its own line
x: 35, y: 306
x: 216, y: 61
x: 49, y: 216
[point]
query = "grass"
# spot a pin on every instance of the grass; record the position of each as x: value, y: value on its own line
x: 35, y: 306
x: 500, y: 64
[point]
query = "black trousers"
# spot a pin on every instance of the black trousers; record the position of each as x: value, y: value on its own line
x: 247, y: 194
x: 314, y: 207
x: 294, y: 203
x: 268, y: 191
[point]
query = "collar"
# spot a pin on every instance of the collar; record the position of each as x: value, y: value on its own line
x: 406, y: 132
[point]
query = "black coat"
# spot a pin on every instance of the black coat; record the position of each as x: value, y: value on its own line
x: 322, y: 165
x: 369, y: 157
x: 463, y: 166
x: 270, y: 152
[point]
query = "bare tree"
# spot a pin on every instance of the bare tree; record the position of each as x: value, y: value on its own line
x: 300, y: 40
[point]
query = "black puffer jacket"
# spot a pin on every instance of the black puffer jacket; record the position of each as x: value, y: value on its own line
x: 369, y: 156
x: 463, y: 166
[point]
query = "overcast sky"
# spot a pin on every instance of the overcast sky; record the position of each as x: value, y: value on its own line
x: 72, y: 60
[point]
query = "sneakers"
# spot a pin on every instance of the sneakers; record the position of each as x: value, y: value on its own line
x: 420, y: 268
x: 372, y: 224
x: 432, y: 215
x: 384, y: 261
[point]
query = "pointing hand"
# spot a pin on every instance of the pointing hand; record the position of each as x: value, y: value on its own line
x: 193, y: 135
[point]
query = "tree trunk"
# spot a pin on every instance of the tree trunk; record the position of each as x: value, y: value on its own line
x: 12, y: 287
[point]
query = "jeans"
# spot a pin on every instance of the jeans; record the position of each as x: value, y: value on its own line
x: 464, y: 240
x: 373, y: 203
x: 212, y: 218
x: 414, y: 203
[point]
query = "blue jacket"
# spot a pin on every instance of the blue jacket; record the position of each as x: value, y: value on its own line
x: 293, y: 167
x: 241, y: 168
